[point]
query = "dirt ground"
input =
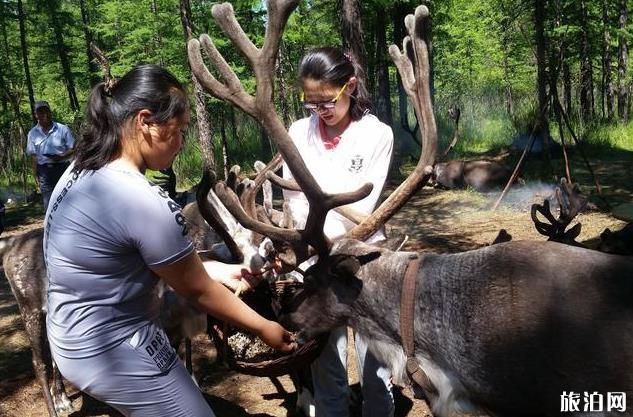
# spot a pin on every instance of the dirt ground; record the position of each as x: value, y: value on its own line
x: 441, y: 221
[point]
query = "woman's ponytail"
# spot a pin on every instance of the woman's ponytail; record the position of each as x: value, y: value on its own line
x: 99, y: 142
x: 361, y: 100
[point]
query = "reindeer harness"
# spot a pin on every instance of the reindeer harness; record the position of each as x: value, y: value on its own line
x: 407, y: 326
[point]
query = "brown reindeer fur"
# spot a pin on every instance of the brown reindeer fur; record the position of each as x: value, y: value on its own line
x: 23, y: 261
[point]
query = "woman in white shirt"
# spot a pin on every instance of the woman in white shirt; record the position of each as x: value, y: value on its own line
x: 344, y: 147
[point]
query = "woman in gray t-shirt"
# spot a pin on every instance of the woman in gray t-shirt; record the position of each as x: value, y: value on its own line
x: 110, y: 235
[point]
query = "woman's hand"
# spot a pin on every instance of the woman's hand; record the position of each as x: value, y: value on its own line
x: 278, y: 338
x: 232, y: 276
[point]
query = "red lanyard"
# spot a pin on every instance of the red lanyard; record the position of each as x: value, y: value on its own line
x: 331, y: 143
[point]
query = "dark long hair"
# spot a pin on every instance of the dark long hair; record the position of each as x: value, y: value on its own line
x: 144, y: 87
x: 330, y: 65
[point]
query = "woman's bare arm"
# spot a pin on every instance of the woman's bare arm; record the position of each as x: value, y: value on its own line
x: 189, y: 278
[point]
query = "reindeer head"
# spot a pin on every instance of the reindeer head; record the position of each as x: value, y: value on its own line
x: 333, y: 288
x: 325, y: 301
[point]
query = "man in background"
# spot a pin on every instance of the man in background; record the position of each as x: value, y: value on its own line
x: 51, y: 145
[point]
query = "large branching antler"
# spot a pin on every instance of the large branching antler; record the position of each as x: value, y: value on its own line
x: 261, y: 107
x: 570, y: 203
x: 413, y: 66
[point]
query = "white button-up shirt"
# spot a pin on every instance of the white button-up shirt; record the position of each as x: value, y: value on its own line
x: 57, y: 141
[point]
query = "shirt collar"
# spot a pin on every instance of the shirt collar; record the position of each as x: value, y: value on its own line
x: 52, y: 129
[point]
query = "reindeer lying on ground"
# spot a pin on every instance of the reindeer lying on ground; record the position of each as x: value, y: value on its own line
x: 505, y: 330
x: 481, y: 175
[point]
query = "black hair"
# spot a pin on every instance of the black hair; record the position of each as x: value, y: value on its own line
x: 144, y: 87
x: 330, y: 65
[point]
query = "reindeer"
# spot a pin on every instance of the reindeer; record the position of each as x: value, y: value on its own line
x: 23, y: 262
x: 505, y: 330
x: 481, y: 175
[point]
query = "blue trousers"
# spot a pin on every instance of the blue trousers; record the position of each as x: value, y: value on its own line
x: 331, y: 388
x: 47, y: 176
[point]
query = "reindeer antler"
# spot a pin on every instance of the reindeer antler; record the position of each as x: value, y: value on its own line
x: 414, y: 68
x: 570, y: 203
x: 261, y: 107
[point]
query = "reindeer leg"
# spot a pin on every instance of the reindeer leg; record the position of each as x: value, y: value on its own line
x: 36, y: 329
x: 188, y: 361
x: 60, y: 398
x: 302, y: 380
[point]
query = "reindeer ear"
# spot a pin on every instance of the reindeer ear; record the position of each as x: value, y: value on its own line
x: 344, y: 265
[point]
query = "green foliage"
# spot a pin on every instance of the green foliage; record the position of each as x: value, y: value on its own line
x: 188, y: 165
x: 483, y: 61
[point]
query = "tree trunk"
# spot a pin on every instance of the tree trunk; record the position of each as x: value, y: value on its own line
x: 15, y: 104
x: 539, y: 37
x: 158, y: 40
x: 622, y: 61
x: 233, y: 124
x: 281, y: 87
x: 556, y: 58
x: 268, y: 148
x: 399, y: 13
x: 585, y: 66
x: 383, y: 96
x: 5, y: 39
x: 25, y: 58
x: 429, y: 36
x: 225, y: 143
x: 567, y: 88
x: 205, y: 130
x: 506, y: 74
x: 352, y: 36
x: 63, y: 54
x: 607, y: 80
x: 93, y: 69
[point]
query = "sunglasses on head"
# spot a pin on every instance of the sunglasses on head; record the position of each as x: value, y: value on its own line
x: 324, y: 104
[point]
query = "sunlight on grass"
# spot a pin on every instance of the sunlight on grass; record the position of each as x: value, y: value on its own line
x: 618, y: 136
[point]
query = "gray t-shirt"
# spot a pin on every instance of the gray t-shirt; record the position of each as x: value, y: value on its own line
x: 104, y: 229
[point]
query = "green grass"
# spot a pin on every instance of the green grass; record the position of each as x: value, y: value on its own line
x: 614, y: 136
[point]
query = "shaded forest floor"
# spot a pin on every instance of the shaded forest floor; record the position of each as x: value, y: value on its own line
x: 442, y: 221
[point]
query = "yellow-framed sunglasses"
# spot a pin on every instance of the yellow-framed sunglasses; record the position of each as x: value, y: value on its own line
x: 324, y: 104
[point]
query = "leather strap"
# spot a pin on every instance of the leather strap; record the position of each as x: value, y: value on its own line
x: 407, y: 328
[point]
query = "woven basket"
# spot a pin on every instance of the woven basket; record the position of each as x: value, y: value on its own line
x: 278, y: 364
